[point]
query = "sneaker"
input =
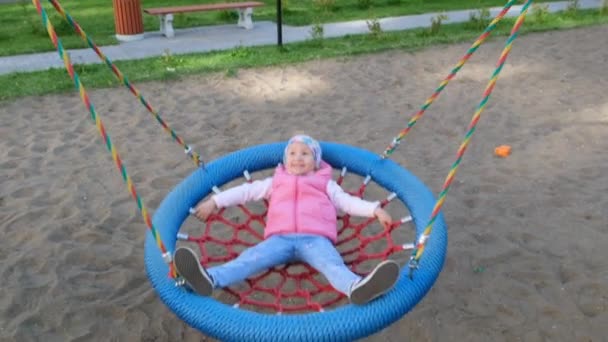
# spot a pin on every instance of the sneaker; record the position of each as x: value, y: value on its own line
x: 188, y: 266
x: 380, y: 280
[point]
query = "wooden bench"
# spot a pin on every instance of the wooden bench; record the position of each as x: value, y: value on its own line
x: 245, y: 10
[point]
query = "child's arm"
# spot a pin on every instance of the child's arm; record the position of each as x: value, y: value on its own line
x: 356, y: 206
x: 204, y: 209
x: 240, y: 194
x: 383, y: 217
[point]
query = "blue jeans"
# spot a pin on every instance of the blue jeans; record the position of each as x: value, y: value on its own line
x: 317, y: 251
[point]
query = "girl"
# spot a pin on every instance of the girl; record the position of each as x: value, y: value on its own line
x: 301, y: 225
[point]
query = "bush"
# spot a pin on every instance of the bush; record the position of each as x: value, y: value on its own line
x: 364, y: 4
x: 324, y: 5
x: 572, y: 9
x: 317, y: 33
x: 480, y: 19
x: 540, y: 13
x: 375, y: 30
x: 436, y: 23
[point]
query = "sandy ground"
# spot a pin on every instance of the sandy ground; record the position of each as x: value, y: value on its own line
x: 525, y: 260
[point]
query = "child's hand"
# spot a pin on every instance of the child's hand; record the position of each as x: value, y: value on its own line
x: 204, y: 209
x: 383, y: 217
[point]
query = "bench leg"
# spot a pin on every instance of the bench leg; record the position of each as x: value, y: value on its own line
x: 245, y: 20
x: 166, y: 25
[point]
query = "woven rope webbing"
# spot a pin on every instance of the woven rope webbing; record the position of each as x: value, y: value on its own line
x: 297, y: 287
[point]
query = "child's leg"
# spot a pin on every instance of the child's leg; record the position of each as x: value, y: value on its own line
x: 320, y: 253
x: 273, y: 251
x: 378, y: 282
x: 189, y: 267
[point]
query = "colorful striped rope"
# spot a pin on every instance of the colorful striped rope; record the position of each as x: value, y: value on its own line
x: 106, y: 138
x: 123, y: 79
x: 480, y: 40
x: 420, y: 245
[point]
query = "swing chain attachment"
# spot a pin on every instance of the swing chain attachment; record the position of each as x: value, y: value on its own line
x: 391, y: 148
x: 168, y: 257
x: 179, y: 282
x: 189, y: 152
x: 413, y: 265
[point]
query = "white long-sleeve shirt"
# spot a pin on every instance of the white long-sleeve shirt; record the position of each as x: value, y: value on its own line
x: 262, y: 189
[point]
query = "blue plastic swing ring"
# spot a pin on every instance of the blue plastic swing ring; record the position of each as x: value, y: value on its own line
x: 346, y: 323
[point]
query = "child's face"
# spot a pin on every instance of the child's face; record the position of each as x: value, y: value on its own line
x: 300, y: 159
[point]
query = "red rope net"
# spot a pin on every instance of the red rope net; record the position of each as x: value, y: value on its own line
x: 295, y: 287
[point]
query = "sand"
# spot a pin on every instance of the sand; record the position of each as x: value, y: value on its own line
x: 526, y: 256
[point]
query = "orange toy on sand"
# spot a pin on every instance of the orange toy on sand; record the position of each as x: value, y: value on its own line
x: 502, y: 151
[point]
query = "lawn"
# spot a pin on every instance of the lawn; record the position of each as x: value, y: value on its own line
x: 22, y: 30
x: 229, y: 62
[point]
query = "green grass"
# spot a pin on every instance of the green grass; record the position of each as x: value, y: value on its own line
x: 173, y: 67
x: 22, y: 30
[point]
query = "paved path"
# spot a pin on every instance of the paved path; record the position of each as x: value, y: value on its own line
x: 223, y: 37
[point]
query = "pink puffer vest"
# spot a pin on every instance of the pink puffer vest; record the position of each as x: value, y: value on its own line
x: 299, y: 204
